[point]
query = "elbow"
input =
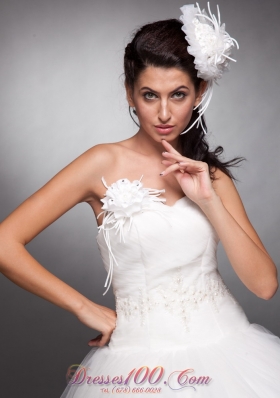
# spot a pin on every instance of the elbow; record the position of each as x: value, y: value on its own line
x: 269, y: 293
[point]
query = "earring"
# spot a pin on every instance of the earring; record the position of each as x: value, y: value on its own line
x: 134, y: 111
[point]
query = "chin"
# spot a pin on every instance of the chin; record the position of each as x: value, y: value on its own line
x: 168, y: 137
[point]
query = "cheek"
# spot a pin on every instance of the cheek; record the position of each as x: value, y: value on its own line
x: 184, y: 113
x: 146, y: 111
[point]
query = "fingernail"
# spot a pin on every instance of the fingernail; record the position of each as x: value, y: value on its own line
x: 164, y: 152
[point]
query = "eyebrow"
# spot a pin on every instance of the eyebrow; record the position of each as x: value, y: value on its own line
x: 154, y: 91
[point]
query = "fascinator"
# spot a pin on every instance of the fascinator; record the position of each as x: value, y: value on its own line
x: 211, y: 47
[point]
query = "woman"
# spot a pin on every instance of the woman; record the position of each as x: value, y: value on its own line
x: 168, y: 202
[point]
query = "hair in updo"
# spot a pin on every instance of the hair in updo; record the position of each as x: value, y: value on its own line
x: 163, y: 44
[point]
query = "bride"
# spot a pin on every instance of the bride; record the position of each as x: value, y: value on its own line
x: 167, y: 93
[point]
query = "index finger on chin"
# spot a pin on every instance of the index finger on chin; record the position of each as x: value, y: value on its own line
x: 169, y: 147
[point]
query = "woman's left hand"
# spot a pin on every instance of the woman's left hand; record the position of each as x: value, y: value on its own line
x: 192, y: 175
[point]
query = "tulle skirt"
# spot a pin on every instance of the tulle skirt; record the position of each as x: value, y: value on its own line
x: 245, y: 364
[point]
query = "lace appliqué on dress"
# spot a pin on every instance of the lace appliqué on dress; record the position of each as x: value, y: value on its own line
x: 178, y: 299
x: 123, y: 200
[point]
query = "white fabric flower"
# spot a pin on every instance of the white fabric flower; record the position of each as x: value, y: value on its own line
x: 123, y: 200
x: 208, y: 41
x: 211, y: 47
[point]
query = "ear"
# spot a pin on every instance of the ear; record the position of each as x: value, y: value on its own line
x: 202, y: 88
x: 129, y: 95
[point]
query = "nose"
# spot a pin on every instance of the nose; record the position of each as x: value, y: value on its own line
x: 164, y: 113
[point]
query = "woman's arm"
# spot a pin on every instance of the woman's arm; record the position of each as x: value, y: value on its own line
x: 222, y: 205
x: 244, y: 249
x: 74, y: 184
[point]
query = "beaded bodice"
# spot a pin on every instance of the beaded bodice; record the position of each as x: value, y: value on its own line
x: 163, y: 269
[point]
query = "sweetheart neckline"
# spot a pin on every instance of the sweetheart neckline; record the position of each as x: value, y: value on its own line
x: 175, y: 203
x: 162, y: 203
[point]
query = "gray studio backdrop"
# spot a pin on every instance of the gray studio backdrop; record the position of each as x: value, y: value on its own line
x: 61, y: 93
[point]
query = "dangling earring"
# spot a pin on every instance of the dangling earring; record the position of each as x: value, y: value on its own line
x: 134, y: 111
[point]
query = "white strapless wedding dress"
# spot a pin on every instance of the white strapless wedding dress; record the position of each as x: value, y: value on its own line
x: 179, y: 331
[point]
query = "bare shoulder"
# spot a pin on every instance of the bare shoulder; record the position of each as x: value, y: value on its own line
x: 96, y: 162
x: 225, y: 187
x: 228, y: 193
x: 79, y: 181
x: 101, y: 154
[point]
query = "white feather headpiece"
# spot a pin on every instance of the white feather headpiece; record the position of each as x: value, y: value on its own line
x: 211, y: 47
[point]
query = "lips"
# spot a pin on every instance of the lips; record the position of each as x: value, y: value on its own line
x: 164, y: 128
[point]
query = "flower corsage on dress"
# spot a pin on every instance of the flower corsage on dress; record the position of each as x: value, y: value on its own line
x: 123, y: 200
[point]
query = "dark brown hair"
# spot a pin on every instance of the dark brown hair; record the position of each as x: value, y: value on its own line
x: 163, y: 44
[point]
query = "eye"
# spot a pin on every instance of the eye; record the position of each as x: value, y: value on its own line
x: 179, y: 95
x: 149, y: 95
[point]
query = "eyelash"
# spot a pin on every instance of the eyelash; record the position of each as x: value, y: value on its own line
x: 182, y: 95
